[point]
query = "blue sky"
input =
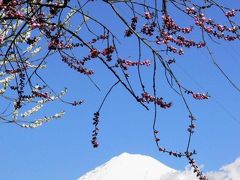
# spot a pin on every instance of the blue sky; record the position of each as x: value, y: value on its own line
x: 62, y: 149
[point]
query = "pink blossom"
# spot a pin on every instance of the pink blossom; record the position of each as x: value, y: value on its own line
x: 148, y: 15
x: 231, y: 13
x: 220, y: 27
x: 200, y: 96
x: 35, y: 25
x: 191, y: 10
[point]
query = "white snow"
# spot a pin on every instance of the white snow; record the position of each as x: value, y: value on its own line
x: 129, y: 167
x: 140, y: 167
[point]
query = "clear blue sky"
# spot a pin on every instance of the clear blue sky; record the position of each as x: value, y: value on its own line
x: 61, y: 149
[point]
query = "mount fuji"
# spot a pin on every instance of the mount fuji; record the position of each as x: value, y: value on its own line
x: 136, y: 167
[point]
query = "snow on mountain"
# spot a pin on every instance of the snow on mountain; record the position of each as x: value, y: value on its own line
x: 132, y: 167
x: 140, y: 167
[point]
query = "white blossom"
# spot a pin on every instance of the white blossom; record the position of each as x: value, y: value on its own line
x: 39, y: 122
x: 6, y: 80
x: 31, y: 111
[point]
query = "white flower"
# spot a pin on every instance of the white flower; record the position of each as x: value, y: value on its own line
x: 39, y: 122
x: 31, y: 111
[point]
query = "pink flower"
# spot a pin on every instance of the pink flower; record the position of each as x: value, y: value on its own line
x: 148, y: 15
x: 231, y: 13
x: 147, y: 62
x: 200, y: 96
x: 35, y: 25
x: 208, y: 29
x: 191, y: 10
x: 220, y: 27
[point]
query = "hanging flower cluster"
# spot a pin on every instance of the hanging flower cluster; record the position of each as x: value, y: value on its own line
x: 108, y: 52
x: 76, y: 65
x: 200, y: 96
x: 96, y: 130
x: 128, y: 63
x: 212, y: 28
x: 164, y: 150
x: 148, y: 29
x: 196, y: 169
x: 133, y: 25
x: 231, y: 13
x: 159, y: 101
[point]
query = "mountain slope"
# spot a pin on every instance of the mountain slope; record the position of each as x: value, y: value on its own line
x: 139, y: 167
x: 130, y: 167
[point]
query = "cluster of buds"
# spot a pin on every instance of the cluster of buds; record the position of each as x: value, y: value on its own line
x: 175, y: 50
x: 169, y: 24
x: 182, y: 41
x: 196, y: 169
x: 76, y: 103
x: 191, y: 128
x: 231, y: 13
x: 101, y: 37
x: 133, y: 25
x: 170, y: 30
x: 94, y: 53
x: 148, y: 29
x: 20, y: 91
x: 171, y: 61
x: 170, y: 153
x: 217, y: 30
x: 108, y: 52
x: 76, y: 65
x: 126, y: 63
x: 159, y: 101
x: 96, y: 130
x: 41, y: 95
x: 200, y: 96
x: 161, y: 149
x: 56, y: 44
x: 148, y: 15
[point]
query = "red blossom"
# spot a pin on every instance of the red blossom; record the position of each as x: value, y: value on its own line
x: 94, y: 53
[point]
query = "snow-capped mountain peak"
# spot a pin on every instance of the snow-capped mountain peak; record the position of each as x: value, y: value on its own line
x: 140, y: 167
x: 129, y: 167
